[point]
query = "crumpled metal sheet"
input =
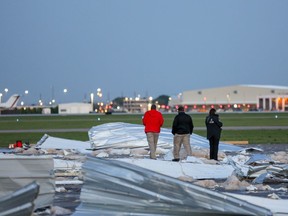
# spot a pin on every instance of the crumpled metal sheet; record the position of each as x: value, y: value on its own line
x: 268, y: 177
x: 183, y: 169
x: 259, y: 159
x: 49, y: 142
x: 122, y: 135
x: 18, y: 171
x: 125, y: 135
x: 277, y: 206
x: 260, y: 167
x: 20, y: 202
x: 117, y: 188
x: 279, y: 169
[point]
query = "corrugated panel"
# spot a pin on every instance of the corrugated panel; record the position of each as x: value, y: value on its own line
x: 20, y: 202
x: 18, y: 171
x: 117, y: 188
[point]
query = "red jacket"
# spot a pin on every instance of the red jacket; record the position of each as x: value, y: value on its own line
x: 153, y: 121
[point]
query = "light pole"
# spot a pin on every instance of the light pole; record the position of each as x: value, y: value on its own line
x: 65, y: 91
x: 100, y: 104
x: 25, y: 94
x: 6, y: 91
x: 150, y: 99
x: 99, y: 92
x: 92, y: 101
x: 228, y: 100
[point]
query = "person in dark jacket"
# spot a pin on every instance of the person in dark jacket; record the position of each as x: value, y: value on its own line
x: 182, y: 129
x: 214, y: 128
x: 153, y: 121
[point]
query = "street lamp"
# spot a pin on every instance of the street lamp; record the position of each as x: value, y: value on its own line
x: 99, y: 92
x: 65, y: 91
x: 25, y: 94
x: 228, y: 99
x: 5, y: 90
x: 92, y: 100
x: 205, y: 102
x: 100, y: 104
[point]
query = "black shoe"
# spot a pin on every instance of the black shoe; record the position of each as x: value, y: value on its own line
x: 176, y: 159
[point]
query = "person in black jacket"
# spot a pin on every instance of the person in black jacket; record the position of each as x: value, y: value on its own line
x: 214, y: 128
x: 182, y: 129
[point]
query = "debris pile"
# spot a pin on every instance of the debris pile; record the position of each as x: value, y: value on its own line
x: 238, y: 171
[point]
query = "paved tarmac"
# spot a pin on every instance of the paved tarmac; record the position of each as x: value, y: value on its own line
x: 196, y: 128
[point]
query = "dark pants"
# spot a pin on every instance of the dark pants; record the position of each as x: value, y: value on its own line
x: 214, y: 144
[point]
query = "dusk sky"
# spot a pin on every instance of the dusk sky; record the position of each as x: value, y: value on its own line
x: 139, y: 47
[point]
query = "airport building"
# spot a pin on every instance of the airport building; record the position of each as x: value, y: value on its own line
x: 75, y: 108
x: 234, y: 98
x: 136, y: 105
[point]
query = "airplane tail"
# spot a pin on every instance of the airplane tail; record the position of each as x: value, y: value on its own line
x: 11, y: 102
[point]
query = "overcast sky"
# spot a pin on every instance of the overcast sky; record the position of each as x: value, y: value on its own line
x: 139, y: 47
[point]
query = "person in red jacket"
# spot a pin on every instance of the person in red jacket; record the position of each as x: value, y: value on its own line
x: 153, y: 121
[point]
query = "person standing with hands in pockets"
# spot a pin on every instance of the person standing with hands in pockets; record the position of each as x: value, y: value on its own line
x: 153, y: 121
x: 182, y: 129
x: 214, y: 128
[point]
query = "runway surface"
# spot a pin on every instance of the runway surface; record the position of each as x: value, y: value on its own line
x: 196, y: 128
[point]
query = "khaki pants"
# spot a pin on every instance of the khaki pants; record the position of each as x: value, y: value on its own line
x: 178, y: 140
x: 152, y: 139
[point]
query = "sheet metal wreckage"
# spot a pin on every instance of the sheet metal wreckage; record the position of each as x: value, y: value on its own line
x: 116, y: 176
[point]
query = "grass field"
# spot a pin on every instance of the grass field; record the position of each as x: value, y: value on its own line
x: 46, y: 123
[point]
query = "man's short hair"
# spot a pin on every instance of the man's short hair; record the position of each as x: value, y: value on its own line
x: 180, y: 109
x: 153, y: 106
x: 212, y: 111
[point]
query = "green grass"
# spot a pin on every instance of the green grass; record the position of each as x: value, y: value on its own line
x: 87, y: 121
x: 253, y: 136
x: 43, y: 122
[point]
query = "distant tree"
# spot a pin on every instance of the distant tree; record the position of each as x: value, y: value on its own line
x: 29, y: 110
x: 162, y: 100
x: 118, y: 102
x: 55, y: 110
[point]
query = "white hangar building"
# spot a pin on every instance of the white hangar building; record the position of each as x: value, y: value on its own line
x: 236, y: 97
x: 75, y: 108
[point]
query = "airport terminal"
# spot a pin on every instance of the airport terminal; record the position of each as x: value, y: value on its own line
x: 234, y: 98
